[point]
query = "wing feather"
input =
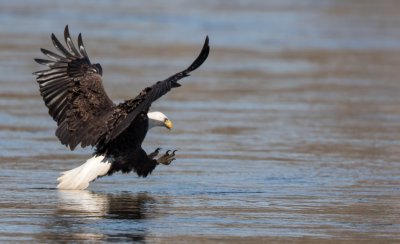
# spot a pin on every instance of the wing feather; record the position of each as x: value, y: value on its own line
x: 52, y: 55
x: 72, y: 90
x: 57, y: 44
x: 82, y: 49
x: 70, y: 43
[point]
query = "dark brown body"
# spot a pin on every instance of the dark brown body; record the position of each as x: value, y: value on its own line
x: 125, y: 151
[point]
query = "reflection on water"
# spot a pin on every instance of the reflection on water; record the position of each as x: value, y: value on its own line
x: 289, y: 132
x: 84, y: 216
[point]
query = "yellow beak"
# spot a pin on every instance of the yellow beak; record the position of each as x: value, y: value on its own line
x: 168, y: 124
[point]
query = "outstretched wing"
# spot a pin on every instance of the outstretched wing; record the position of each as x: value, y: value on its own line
x: 72, y: 89
x: 141, y: 103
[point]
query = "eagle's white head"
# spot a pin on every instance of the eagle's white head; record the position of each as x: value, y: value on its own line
x: 159, y: 119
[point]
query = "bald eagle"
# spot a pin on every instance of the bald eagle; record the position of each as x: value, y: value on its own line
x: 72, y: 90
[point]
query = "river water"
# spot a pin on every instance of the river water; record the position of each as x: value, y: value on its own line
x: 290, y: 131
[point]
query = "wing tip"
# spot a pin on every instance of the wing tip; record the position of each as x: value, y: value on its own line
x: 38, y: 60
x: 53, y: 35
x: 82, y: 49
x: 205, y: 50
x: 66, y: 32
x: 206, y: 44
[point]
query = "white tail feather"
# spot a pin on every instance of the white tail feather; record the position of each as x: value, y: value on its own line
x: 80, y: 177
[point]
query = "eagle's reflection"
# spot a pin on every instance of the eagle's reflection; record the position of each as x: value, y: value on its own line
x: 84, y: 215
x: 112, y: 206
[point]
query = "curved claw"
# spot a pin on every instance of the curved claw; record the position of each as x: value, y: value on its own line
x: 169, y: 161
x: 154, y: 154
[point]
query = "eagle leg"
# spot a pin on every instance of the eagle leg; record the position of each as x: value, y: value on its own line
x: 154, y: 154
x: 167, y: 158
